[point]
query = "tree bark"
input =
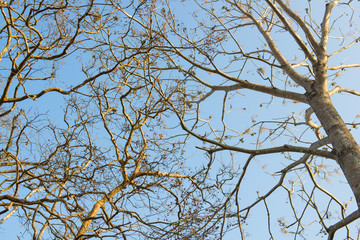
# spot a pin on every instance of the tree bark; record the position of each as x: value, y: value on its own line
x: 344, y: 144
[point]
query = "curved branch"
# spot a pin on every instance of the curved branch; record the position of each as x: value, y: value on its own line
x: 344, y: 48
x: 332, y: 229
x: 294, y: 75
x: 281, y: 149
x: 302, y: 24
x: 346, y: 90
x: 293, y: 33
x: 240, y: 83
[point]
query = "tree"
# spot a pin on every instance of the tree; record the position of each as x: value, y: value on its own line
x: 90, y: 164
x: 165, y: 126
x: 292, y: 56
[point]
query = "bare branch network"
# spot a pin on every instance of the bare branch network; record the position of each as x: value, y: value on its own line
x: 159, y: 119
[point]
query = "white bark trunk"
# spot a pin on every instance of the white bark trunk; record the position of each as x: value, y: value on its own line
x: 345, y: 146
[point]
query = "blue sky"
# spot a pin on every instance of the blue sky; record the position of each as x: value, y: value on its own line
x: 259, y: 178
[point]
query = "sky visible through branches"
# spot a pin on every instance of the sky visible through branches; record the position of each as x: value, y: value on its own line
x: 240, y: 118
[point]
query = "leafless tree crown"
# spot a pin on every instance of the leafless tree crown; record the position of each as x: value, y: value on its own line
x: 162, y: 119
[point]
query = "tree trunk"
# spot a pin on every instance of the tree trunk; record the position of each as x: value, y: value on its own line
x: 344, y: 144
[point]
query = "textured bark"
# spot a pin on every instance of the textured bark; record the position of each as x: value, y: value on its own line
x: 345, y: 146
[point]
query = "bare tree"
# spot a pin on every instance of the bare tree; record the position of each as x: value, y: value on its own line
x: 95, y: 162
x: 278, y: 60
x: 170, y: 123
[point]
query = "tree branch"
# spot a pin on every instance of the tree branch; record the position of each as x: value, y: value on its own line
x: 302, y: 24
x: 295, y: 76
x: 325, y: 24
x: 332, y: 229
x: 293, y: 33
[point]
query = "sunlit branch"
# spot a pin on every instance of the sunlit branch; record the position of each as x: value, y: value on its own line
x: 333, y: 228
x: 343, y: 66
x: 302, y: 24
x: 292, y: 31
x: 241, y: 83
x: 295, y: 76
x: 345, y: 90
x: 285, y: 148
x: 325, y: 24
x: 344, y: 48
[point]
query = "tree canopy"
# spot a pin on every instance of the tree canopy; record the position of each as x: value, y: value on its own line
x: 161, y: 119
